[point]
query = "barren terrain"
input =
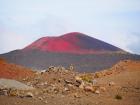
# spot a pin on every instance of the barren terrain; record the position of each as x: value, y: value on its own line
x: 119, y: 85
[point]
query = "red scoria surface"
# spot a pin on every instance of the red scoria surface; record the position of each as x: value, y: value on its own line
x: 12, y: 71
x: 74, y: 42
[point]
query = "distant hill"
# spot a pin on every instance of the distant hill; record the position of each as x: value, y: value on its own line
x: 86, y: 53
x: 75, y: 42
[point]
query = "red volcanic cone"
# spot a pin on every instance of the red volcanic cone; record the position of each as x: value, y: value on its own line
x: 74, y: 42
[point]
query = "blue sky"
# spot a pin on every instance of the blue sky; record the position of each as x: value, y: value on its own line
x: 114, y: 21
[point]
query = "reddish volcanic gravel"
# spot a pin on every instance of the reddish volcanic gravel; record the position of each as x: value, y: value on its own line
x: 12, y: 71
x: 66, y: 87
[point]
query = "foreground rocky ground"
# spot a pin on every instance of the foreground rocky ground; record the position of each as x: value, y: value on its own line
x: 119, y: 85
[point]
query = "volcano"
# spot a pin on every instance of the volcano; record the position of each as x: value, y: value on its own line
x: 75, y: 42
x: 86, y: 53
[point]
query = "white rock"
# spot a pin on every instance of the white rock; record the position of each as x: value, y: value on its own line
x: 94, y: 82
x: 66, y: 89
x: 82, y: 85
x: 97, y: 92
x: 111, y: 83
x: 13, y: 84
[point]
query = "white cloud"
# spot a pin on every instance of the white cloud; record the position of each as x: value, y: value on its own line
x: 109, y: 20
